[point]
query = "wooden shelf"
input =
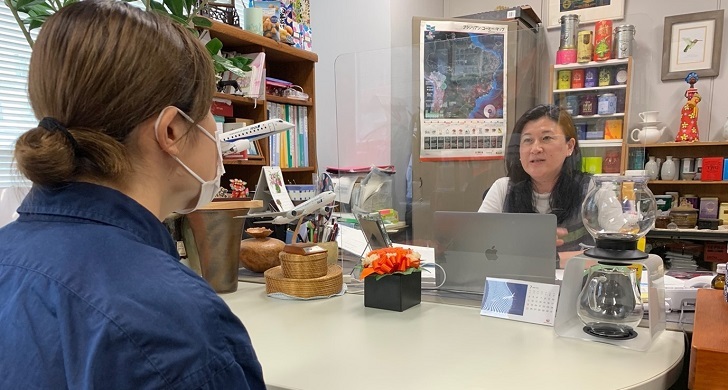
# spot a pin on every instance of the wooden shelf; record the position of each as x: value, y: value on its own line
x: 285, y: 100
x: 679, y: 144
x: 232, y: 37
x: 686, y: 182
x: 600, y: 143
x: 597, y: 116
x: 592, y: 64
x: 298, y: 169
x: 696, y: 234
x: 241, y: 100
x: 243, y: 162
x: 608, y: 87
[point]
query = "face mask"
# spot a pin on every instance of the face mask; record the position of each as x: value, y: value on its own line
x: 208, y: 189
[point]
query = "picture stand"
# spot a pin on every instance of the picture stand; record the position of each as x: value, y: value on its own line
x: 272, y: 191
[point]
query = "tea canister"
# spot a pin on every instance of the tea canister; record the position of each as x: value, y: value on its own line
x: 623, y: 40
x: 584, y: 46
x: 572, y: 104
x: 620, y: 75
x: 581, y: 131
x: 591, y: 77
x: 577, y: 78
x: 621, y: 100
x: 588, y: 104
x: 564, y: 79
x: 569, y: 23
x: 603, y: 40
x: 607, y: 104
x: 605, y: 76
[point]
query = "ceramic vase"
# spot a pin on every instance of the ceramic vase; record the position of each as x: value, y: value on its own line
x: 651, y: 168
x: 669, y: 170
x: 260, y: 252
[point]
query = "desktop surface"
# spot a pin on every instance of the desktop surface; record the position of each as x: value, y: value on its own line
x: 338, y: 343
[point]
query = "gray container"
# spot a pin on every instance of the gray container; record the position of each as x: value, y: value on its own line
x: 569, y: 24
x: 623, y: 40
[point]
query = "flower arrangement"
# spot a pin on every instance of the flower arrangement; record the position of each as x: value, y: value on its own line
x: 388, y: 261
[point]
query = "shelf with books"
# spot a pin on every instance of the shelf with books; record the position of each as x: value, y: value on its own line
x: 680, y: 144
x: 687, y: 182
x: 592, y: 64
x: 283, y: 62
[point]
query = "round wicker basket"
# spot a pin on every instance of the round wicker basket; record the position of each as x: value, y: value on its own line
x: 303, y: 266
x: 323, y: 286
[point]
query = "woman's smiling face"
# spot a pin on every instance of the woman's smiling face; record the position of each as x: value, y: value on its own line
x: 543, y: 149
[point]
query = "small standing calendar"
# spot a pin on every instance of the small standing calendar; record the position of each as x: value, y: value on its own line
x: 520, y: 300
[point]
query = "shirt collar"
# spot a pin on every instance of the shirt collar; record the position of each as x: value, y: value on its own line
x: 99, y: 204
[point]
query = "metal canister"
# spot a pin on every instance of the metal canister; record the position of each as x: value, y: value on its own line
x: 607, y: 104
x: 699, y: 169
x: 584, y: 46
x: 572, y: 104
x: 603, y: 40
x: 564, y: 79
x: 588, y: 104
x: 577, y: 78
x: 569, y: 23
x: 605, y: 76
x: 619, y: 75
x: 591, y: 77
x: 623, y: 40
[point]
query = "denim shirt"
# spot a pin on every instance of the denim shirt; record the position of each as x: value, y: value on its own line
x: 93, y: 296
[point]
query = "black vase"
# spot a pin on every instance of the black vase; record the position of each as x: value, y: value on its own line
x: 395, y: 292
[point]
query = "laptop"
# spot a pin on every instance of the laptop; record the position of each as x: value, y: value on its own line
x: 472, y: 246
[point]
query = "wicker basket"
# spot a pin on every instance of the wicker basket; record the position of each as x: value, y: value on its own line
x: 326, y: 285
x: 303, y: 266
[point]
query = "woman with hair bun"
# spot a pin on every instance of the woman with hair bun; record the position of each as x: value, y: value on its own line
x: 92, y: 293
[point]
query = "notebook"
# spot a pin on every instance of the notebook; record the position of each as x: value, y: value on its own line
x: 472, y: 246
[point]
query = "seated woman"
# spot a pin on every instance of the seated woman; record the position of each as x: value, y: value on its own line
x: 543, y: 164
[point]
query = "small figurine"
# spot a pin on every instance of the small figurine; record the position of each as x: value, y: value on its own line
x: 688, y: 131
x: 238, y: 188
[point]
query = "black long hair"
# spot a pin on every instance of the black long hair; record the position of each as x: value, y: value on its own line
x: 568, y: 193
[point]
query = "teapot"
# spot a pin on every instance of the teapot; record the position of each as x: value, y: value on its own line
x: 647, y: 135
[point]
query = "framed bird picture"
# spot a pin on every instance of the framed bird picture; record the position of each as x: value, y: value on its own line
x: 692, y: 43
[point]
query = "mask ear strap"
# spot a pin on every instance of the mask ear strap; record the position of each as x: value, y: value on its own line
x: 201, y: 128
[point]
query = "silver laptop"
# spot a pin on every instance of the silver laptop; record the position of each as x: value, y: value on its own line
x: 472, y: 246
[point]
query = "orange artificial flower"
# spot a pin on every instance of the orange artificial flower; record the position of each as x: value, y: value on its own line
x: 389, y: 260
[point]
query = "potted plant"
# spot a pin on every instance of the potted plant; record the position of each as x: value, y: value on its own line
x: 392, y: 278
x: 31, y: 14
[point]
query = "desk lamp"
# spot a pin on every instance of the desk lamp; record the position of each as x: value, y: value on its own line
x: 601, y: 296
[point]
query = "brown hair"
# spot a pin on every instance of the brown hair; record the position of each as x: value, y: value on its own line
x: 101, y: 68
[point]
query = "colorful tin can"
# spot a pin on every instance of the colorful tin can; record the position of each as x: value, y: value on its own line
x: 580, y: 131
x: 619, y: 75
x: 572, y: 104
x: 621, y: 100
x: 588, y: 104
x: 623, y: 40
x: 564, y: 79
x: 591, y: 77
x: 584, y: 46
x: 605, y: 76
x: 607, y: 104
x: 569, y: 23
x: 603, y: 40
x: 577, y: 78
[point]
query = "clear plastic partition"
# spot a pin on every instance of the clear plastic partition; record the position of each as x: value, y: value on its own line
x: 437, y: 120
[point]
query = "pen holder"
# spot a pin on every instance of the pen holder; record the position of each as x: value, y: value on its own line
x: 333, y: 251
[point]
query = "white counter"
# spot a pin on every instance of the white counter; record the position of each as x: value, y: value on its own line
x: 340, y: 344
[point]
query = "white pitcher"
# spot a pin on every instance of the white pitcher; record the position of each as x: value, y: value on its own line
x: 647, y: 135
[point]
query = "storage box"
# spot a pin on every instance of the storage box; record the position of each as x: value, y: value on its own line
x: 395, y: 292
x: 709, y: 348
x: 712, y: 169
x: 613, y: 129
x: 597, y: 134
x: 715, y: 252
x: 222, y: 107
x: 708, y: 208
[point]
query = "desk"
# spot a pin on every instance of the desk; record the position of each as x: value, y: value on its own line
x: 340, y: 344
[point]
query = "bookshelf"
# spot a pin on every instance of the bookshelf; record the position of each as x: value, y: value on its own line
x: 282, y: 62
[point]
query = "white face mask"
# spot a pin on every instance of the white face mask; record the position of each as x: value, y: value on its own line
x: 208, y: 189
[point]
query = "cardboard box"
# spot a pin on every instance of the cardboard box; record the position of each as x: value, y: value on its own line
x: 523, y: 13
x: 708, y: 208
x: 712, y: 169
x: 222, y: 107
x: 715, y: 252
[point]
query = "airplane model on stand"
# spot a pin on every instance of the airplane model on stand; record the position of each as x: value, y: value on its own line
x: 239, y: 140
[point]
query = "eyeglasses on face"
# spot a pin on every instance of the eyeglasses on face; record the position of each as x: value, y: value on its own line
x: 548, y: 139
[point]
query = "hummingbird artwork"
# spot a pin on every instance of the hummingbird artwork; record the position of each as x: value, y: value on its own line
x: 689, y: 43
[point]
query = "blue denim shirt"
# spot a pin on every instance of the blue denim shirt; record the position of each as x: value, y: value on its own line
x: 93, y: 296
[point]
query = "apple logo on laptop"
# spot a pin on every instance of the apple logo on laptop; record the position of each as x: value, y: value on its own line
x: 492, y: 253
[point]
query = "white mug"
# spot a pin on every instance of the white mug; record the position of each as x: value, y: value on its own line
x: 649, y: 116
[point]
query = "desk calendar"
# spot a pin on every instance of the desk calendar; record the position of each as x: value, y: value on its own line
x: 520, y: 300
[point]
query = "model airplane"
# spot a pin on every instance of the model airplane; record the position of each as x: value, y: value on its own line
x: 321, y: 203
x: 239, y: 140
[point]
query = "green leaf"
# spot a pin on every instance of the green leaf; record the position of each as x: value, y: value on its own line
x: 201, y: 22
x: 214, y: 46
x: 176, y: 7
x: 178, y: 19
x: 35, y: 24
x: 157, y: 6
x: 189, y: 4
x: 67, y: 2
x: 21, y: 4
x: 225, y: 63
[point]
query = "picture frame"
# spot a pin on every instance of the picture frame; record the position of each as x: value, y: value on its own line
x: 254, y: 152
x: 692, y: 43
x: 588, y: 11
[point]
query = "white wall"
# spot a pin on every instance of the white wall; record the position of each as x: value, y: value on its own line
x: 648, y: 92
x: 370, y: 29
